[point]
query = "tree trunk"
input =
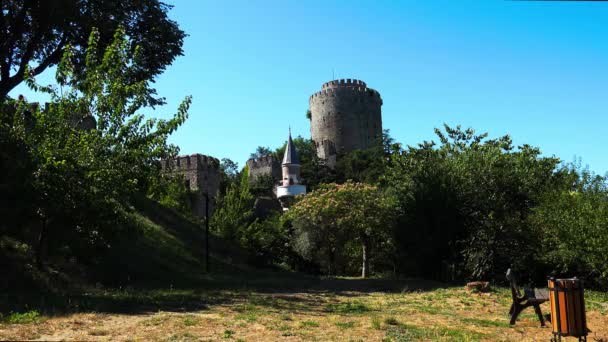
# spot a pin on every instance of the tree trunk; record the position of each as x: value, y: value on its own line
x: 4, y: 90
x: 331, y: 261
x: 41, y: 244
x: 9, y: 84
x: 365, y: 266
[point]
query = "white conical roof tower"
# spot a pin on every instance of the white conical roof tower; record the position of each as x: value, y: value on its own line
x: 291, y: 155
x: 290, y: 185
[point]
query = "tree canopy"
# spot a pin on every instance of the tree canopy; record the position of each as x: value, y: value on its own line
x: 34, y: 34
x: 78, y: 180
x: 467, y: 202
x: 329, y: 219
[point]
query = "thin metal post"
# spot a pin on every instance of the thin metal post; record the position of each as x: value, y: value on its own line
x: 206, y: 232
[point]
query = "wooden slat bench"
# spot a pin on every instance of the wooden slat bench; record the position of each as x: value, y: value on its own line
x: 531, y: 297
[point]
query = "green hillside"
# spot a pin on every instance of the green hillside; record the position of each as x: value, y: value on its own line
x: 162, y: 252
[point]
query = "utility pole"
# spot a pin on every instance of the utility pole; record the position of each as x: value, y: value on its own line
x: 207, y: 232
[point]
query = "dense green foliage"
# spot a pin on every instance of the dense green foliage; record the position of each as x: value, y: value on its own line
x: 466, y: 207
x: 37, y: 32
x: 484, y: 205
x: 229, y: 173
x: 169, y: 191
x: 331, y: 220
x: 260, y: 151
x: 234, y: 210
x: 468, y: 201
x: 266, y: 238
x: 470, y: 204
x: 78, y: 182
x: 573, y: 225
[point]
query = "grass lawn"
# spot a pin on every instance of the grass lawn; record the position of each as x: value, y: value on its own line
x: 151, y: 288
x: 316, y: 310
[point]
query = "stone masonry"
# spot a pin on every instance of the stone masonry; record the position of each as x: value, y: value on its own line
x: 201, y: 175
x: 345, y: 115
x: 267, y: 165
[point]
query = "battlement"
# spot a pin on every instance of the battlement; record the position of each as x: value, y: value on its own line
x: 342, y: 91
x: 201, y: 175
x: 191, y: 162
x: 261, y: 162
x: 263, y: 166
x: 344, y: 83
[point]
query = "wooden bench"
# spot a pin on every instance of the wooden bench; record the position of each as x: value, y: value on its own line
x: 531, y: 297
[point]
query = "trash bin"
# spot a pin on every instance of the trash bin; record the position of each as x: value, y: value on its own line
x: 567, y: 301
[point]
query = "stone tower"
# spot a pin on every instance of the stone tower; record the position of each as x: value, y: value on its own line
x: 201, y: 175
x: 290, y: 185
x: 263, y: 166
x: 345, y: 115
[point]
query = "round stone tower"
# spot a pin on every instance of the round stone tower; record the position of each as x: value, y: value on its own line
x: 344, y: 116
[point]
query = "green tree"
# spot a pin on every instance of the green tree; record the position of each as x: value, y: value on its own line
x: 229, y: 173
x: 84, y: 178
x: 367, y: 165
x: 429, y: 221
x: 333, y: 215
x: 37, y: 32
x: 260, y: 151
x: 171, y: 191
x: 267, y: 239
x: 573, y: 222
x: 234, y: 210
x: 16, y: 166
x: 468, y: 200
x: 263, y: 185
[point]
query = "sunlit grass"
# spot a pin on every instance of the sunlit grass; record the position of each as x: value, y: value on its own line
x: 32, y: 316
x: 441, y: 314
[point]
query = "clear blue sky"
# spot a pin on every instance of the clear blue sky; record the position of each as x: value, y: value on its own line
x: 535, y: 70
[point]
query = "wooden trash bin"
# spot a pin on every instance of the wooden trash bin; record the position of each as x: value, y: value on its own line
x: 567, y: 301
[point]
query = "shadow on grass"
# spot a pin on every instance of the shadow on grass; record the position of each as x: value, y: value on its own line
x: 162, y: 268
x: 273, y: 290
x: 110, y: 302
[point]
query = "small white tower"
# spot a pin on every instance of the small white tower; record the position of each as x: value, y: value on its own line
x: 290, y: 183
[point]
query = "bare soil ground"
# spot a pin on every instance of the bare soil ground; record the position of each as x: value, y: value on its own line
x: 439, y: 314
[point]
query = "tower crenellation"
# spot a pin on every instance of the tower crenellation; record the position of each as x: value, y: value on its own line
x: 352, y: 83
x: 191, y: 162
x: 358, y: 92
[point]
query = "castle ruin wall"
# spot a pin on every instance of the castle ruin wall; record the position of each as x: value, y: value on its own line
x: 201, y: 175
x: 263, y: 166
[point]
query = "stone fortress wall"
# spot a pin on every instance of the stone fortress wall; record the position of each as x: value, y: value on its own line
x: 267, y: 165
x: 201, y: 174
x: 345, y: 115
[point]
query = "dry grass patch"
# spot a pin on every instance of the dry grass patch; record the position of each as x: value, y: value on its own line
x: 451, y: 314
x: 99, y: 332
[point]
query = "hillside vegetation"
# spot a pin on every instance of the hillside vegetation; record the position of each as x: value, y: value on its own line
x: 152, y: 286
